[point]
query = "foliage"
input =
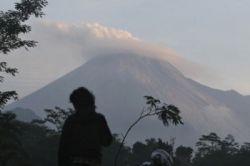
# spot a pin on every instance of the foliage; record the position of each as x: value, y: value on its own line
x: 11, y: 24
x: 11, y: 27
x: 109, y: 153
x: 183, y: 155
x: 26, y: 143
x: 212, y: 150
x: 242, y: 157
x: 36, y: 145
x: 208, y: 144
x: 11, y: 147
x: 166, y: 113
x: 55, y: 117
x: 40, y: 143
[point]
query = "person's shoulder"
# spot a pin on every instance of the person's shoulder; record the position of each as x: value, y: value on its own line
x: 70, y: 118
x: 100, y: 116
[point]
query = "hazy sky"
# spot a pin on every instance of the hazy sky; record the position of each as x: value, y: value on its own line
x: 214, y: 33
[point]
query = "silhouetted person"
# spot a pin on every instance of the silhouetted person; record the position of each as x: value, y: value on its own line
x: 84, y: 132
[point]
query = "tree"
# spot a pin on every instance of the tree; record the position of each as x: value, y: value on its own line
x: 183, y: 155
x: 245, y: 147
x: 40, y: 143
x: 12, y: 25
x: 56, y: 117
x: 212, y: 150
x: 208, y: 144
x: 109, y: 153
x: 168, y: 114
x: 242, y: 157
x: 229, y: 146
x: 12, y: 151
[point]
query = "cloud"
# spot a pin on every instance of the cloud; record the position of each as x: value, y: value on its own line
x: 101, y: 31
x: 63, y: 47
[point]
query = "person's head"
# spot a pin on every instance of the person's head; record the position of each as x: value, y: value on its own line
x: 157, y: 160
x: 161, y: 157
x: 82, y: 98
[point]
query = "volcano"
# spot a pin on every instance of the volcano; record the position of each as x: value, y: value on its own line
x: 119, y: 83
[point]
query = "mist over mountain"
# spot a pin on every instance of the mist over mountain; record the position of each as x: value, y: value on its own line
x: 119, y: 83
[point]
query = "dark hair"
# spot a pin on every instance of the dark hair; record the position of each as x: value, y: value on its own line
x: 82, y: 98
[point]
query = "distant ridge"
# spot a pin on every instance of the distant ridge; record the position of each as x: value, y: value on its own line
x: 25, y: 115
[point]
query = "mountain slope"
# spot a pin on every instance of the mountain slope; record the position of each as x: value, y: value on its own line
x: 120, y: 82
x: 25, y: 115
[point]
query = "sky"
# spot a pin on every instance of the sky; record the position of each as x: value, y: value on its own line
x: 214, y: 35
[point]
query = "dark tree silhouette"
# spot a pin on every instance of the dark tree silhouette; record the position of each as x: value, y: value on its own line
x: 212, y: 150
x: 12, y: 25
x: 56, y: 117
x: 208, y: 144
x: 184, y: 155
x: 12, y: 151
x: 168, y: 114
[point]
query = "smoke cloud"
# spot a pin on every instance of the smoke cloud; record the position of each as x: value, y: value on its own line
x: 63, y: 47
